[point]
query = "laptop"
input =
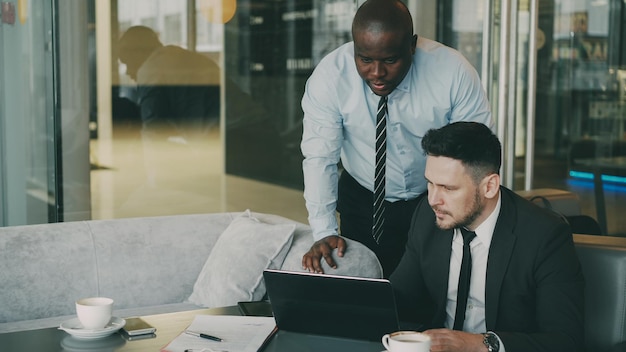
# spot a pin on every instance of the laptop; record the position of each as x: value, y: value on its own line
x: 331, y: 305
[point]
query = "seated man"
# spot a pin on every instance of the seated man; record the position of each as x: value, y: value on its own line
x: 525, y: 291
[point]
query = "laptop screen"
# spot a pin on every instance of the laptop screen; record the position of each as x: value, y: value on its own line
x: 331, y: 305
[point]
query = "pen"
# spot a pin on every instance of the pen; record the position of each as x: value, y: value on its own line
x: 204, y: 336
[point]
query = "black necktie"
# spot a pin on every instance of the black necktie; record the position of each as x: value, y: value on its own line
x: 379, y: 178
x: 464, y: 279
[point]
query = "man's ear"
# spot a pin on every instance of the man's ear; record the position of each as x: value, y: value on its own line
x: 491, y: 185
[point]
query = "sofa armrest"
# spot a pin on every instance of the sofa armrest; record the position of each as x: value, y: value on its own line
x: 603, y: 260
x: 44, y: 268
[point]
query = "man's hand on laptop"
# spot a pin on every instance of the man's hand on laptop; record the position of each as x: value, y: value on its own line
x: 311, y: 260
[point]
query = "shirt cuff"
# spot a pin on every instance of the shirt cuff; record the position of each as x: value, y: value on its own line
x: 323, y: 227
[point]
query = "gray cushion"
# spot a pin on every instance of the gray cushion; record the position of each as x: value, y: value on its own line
x: 358, y: 260
x: 233, y: 271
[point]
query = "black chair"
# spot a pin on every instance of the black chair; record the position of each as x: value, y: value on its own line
x: 584, y: 224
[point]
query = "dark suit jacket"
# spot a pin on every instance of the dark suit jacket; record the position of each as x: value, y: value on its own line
x: 534, y: 285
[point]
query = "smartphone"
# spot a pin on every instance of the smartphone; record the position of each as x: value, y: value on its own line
x: 256, y: 308
x: 137, y: 326
x: 138, y: 337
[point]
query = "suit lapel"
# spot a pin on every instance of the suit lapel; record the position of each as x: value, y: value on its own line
x: 442, y: 244
x: 500, y: 251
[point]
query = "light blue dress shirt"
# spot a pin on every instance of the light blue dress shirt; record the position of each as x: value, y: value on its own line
x: 340, y: 118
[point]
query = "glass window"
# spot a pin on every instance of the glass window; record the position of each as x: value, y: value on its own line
x: 200, y: 111
x: 28, y: 161
x: 174, y: 132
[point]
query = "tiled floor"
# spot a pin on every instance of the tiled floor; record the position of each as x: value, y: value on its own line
x: 189, y: 179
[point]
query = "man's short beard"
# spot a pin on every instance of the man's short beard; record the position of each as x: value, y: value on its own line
x: 475, y: 211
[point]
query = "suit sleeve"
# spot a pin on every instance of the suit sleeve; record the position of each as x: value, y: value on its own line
x: 412, y: 299
x: 558, y: 296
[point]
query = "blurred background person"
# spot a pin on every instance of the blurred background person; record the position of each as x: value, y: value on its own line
x: 175, y: 87
x: 178, y: 93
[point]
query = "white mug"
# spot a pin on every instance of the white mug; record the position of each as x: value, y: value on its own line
x: 94, y: 312
x: 406, y: 341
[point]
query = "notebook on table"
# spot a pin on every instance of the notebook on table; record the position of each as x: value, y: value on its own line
x: 331, y: 305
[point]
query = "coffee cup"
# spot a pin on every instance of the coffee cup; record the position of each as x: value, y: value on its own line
x: 94, y: 312
x: 406, y: 341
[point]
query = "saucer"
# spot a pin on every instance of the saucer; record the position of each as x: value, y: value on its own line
x: 75, y: 328
x: 104, y: 344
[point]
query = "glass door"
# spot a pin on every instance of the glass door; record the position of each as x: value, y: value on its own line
x: 44, y: 132
x: 555, y: 73
x: 572, y: 103
x: 587, y: 79
x: 27, y: 115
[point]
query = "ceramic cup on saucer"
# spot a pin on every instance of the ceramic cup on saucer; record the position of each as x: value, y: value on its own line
x: 406, y: 341
x: 94, y: 312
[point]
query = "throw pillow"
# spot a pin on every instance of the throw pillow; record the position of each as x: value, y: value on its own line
x: 233, y: 271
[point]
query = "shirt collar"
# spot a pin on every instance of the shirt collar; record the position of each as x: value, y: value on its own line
x: 405, y: 84
x: 484, y: 231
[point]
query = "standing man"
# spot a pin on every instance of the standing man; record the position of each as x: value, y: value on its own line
x: 486, y: 270
x: 404, y: 85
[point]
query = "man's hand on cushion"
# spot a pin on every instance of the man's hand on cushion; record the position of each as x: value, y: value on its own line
x: 311, y: 260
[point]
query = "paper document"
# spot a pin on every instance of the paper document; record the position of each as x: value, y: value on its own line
x: 238, y: 334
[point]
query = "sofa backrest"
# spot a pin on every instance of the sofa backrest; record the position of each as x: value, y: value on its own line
x: 603, y: 260
x: 138, y: 261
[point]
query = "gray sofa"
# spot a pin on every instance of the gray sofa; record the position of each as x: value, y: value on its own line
x: 147, y: 265
x: 153, y: 265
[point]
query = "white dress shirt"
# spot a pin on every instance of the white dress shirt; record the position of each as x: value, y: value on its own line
x: 475, y: 313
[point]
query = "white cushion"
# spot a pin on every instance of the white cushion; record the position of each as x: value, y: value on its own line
x: 233, y: 271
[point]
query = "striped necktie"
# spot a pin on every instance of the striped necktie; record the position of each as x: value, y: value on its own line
x: 378, y: 220
x: 464, y: 279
